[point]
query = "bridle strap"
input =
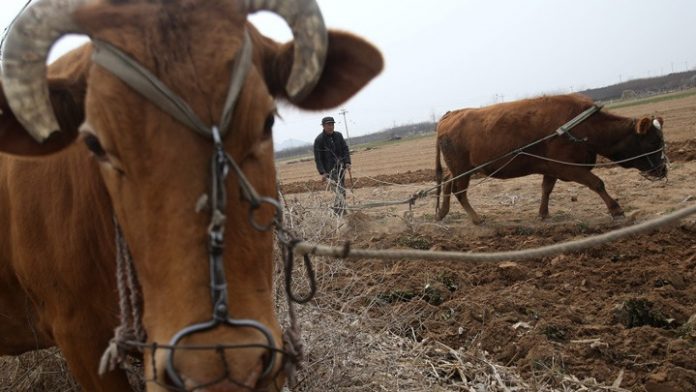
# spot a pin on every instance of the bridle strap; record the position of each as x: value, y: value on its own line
x: 565, y: 128
x: 242, y: 64
x: 149, y: 86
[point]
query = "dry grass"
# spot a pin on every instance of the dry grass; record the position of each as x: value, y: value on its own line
x: 350, y: 348
x: 41, y: 370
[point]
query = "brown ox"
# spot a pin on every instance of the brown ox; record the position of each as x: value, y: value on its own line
x: 471, y: 137
x: 148, y: 170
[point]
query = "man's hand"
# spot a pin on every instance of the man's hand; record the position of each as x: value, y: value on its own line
x: 324, y: 177
x: 347, y: 166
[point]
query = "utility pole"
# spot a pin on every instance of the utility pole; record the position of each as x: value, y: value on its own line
x: 345, y: 122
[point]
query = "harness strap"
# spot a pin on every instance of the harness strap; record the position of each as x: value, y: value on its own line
x: 148, y: 85
x: 565, y: 128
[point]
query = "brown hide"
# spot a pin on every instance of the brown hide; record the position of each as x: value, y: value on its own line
x: 57, y: 255
x: 468, y: 138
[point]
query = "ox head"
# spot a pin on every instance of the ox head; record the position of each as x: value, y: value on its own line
x: 155, y: 168
x: 646, y: 143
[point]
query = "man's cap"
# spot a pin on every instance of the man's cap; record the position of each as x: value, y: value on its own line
x: 327, y: 120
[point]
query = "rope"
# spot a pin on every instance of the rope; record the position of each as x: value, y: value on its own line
x: 486, y: 179
x: 602, y: 164
x: 385, y: 182
x: 544, y: 251
x: 377, y: 204
x: 130, y: 327
x: 481, y: 166
x: 423, y: 193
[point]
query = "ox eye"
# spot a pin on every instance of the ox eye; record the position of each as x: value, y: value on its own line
x: 94, y: 145
x: 268, y: 126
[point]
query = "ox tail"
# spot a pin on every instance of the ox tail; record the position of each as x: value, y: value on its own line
x: 438, y: 176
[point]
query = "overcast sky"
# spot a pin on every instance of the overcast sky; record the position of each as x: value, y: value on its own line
x: 448, y: 54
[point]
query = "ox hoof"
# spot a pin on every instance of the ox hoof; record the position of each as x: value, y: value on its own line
x: 479, y: 220
x: 618, y: 218
x: 623, y: 220
x: 618, y: 215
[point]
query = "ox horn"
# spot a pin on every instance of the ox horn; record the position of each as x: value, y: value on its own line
x: 311, y: 41
x: 24, y: 56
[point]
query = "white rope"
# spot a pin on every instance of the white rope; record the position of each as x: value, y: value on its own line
x: 477, y: 168
x: 603, y: 164
x: 485, y: 179
x: 385, y: 182
x: 425, y: 192
x: 346, y: 251
x: 377, y: 204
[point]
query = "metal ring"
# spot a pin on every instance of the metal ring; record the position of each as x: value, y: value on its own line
x: 208, y: 325
x: 259, y: 203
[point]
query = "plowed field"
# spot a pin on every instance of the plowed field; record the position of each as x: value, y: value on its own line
x: 622, y: 314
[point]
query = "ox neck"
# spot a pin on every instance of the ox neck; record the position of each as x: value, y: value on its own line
x: 580, y: 118
x: 149, y: 86
x: 607, y: 131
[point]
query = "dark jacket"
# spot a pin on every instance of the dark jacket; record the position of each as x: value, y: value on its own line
x: 329, y: 151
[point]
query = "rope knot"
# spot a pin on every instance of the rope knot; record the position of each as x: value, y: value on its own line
x: 115, y: 354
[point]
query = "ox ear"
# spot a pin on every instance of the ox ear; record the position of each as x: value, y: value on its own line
x: 351, y: 63
x: 67, y: 87
x: 643, y: 125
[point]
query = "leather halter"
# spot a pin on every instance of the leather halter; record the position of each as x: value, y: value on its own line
x: 148, y: 85
x: 565, y: 128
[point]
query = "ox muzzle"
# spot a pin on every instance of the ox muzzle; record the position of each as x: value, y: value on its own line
x: 658, y: 164
x: 658, y: 167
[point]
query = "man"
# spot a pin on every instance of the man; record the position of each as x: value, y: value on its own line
x: 332, y: 157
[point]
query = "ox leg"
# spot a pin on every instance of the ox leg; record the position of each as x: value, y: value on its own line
x: 82, y: 344
x: 546, y: 188
x: 460, y: 190
x: 596, y: 184
x: 446, y: 189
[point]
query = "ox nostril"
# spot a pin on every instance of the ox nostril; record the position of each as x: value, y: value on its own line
x: 223, y: 374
